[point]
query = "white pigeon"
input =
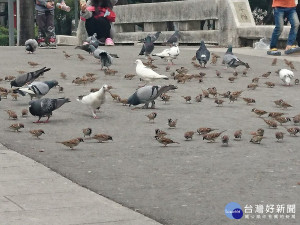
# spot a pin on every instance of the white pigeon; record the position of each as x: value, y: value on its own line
x: 286, y: 76
x: 94, y: 100
x: 169, y: 54
x: 146, y: 73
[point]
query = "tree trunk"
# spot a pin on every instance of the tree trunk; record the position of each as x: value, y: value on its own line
x: 26, y: 20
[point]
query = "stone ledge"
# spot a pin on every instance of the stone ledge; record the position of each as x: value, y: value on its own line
x: 66, y: 40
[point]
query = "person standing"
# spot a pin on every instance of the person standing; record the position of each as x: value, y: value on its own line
x: 45, y: 22
x: 284, y: 9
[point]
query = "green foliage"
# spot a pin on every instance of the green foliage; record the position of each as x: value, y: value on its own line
x: 4, y: 36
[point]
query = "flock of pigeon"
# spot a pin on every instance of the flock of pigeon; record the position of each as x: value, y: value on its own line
x: 40, y: 106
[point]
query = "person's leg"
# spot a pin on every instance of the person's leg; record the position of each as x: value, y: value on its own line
x: 278, y: 17
x: 294, y: 21
x: 99, y: 26
x: 50, y: 29
x: 41, y: 23
x: 298, y: 33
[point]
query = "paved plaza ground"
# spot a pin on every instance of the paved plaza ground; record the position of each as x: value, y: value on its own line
x: 183, y: 184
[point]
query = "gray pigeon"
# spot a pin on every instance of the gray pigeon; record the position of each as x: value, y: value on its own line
x: 230, y: 60
x: 106, y: 59
x: 147, y: 94
x: 37, y: 88
x: 92, y: 40
x: 148, y: 47
x: 174, y: 38
x: 202, y: 54
x: 85, y: 47
x: 28, y: 77
x: 31, y: 45
x: 45, y: 107
x: 153, y: 37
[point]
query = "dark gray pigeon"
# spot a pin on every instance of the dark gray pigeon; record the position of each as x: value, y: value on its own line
x: 148, y: 47
x: 85, y: 47
x: 31, y: 45
x: 174, y: 38
x: 28, y: 77
x: 37, y: 88
x: 45, y: 107
x: 153, y: 37
x: 147, y: 94
x: 202, y: 54
x: 230, y: 60
x: 92, y: 40
x: 106, y: 59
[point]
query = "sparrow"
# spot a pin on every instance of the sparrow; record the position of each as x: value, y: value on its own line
x: 194, y: 58
x: 205, y: 93
x: 60, y: 89
x: 108, y: 71
x: 212, y: 136
x: 282, y: 120
x: 152, y: 116
x: 238, y: 134
x: 12, y: 114
x: 87, y: 131
x: 219, y: 102
x: 101, y: 137
x: 77, y: 81
x: 196, y: 65
x: 88, y: 74
x: 94, y: 89
x: 225, y: 139
x: 63, y: 75
x: 187, y: 98
x: 66, y: 54
x: 9, y: 78
x: 266, y: 75
x: 274, y: 61
x: 213, y: 91
x: 124, y: 101
x: 296, y: 81
x: 231, y: 79
x: 285, y: 105
x: 115, y: 97
x: 286, y: 62
x: 189, y: 135
x: 198, y: 98
x: 205, y: 130
x: 225, y: 94
x: 256, y: 139
x: 71, y: 143
x: 259, y: 132
x: 292, y: 67
x: 165, y: 97
x: 160, y: 133
x: 252, y: 86
x: 21, y: 71
x: 270, y: 84
x: 235, y: 73
x: 24, y: 112
x: 259, y: 112
x: 245, y: 71
x: 232, y: 98
x: 275, y: 114
x: 14, y: 96
x: 293, y: 130
x: 168, y: 68
x: 33, y: 64
x: 37, y: 133
x: 214, y: 60
x: 215, y: 55
x: 165, y: 141
x: 129, y: 76
x: 172, y: 123
x: 296, y: 119
x: 271, y: 123
x: 279, y: 135
x: 249, y: 100
x: 80, y: 57
x: 278, y: 102
x: 218, y: 73
x: 16, y: 126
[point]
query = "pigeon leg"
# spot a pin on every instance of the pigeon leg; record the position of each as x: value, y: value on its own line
x: 38, y: 121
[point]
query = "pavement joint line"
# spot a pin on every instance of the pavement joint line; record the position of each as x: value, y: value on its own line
x: 6, y: 196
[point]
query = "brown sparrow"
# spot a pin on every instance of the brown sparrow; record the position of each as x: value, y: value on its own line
x: 219, y: 102
x: 33, y: 64
x: 259, y: 112
x: 256, y: 139
x: 160, y: 133
x: 249, y: 100
x: 114, y: 96
x: 238, y: 134
x: 218, y: 73
x: 205, y: 93
x: 231, y: 79
x: 189, y: 135
x: 214, y: 60
x: 14, y: 96
x: 63, y: 75
x: 278, y: 102
x: 24, y: 112
x: 293, y: 130
x: 37, y: 133
x: 165, y: 141
x: 279, y: 136
x: 129, y: 76
x: 266, y: 75
x: 225, y: 139
x: 285, y: 105
x: 270, y: 123
x: 124, y: 101
x: 282, y: 119
x: 187, y: 98
x: 274, y: 61
x: 212, y: 136
x: 80, y: 57
x: 205, y: 130
x: 198, y: 98
x: 172, y: 123
x: 270, y: 84
x: 101, y: 137
x: 16, y: 126
x: 259, y: 132
x: 66, y: 54
x: 152, y: 116
x: 165, y: 97
x: 252, y: 86
x: 275, y: 114
x: 296, y: 119
x: 11, y: 114
x: 87, y: 132
x: 94, y: 89
x: 71, y: 143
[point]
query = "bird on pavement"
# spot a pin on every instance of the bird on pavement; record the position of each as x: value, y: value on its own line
x: 146, y: 73
x: 37, y: 88
x: 21, y: 80
x: 101, y: 137
x: 169, y: 54
x: 16, y: 126
x: 87, y: 131
x: 31, y: 45
x: 230, y: 60
x: 106, y: 59
x: 71, y: 143
x: 94, y: 100
x: 165, y: 141
x: 286, y: 76
x: 147, y: 47
x: 37, y: 133
x: 45, y: 107
x: 148, y: 94
x: 153, y: 37
x: 174, y: 38
x: 202, y: 54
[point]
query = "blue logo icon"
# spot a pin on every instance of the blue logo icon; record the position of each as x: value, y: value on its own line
x: 233, y: 211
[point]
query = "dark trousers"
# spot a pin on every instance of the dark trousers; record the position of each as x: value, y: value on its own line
x: 45, y: 22
x: 298, y: 34
x: 100, y: 26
